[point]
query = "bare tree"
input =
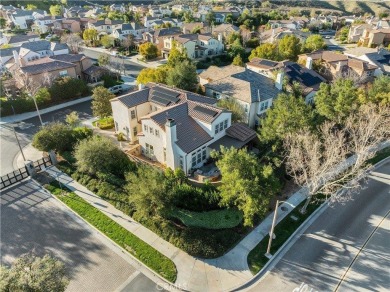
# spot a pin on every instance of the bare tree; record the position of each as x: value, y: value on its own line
x: 73, y: 41
x: 128, y: 42
x: 332, y: 162
x: 117, y: 64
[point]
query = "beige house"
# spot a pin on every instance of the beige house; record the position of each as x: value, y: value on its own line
x: 71, y: 25
x: 356, y: 31
x: 197, y: 46
x: 375, y: 37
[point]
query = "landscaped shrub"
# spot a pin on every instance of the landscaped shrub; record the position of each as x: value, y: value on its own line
x: 194, y: 198
x: 65, y: 88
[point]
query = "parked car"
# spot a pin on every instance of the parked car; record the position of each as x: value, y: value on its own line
x: 328, y: 37
x: 116, y: 89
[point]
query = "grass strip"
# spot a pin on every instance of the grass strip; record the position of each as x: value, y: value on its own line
x: 138, y: 248
x: 216, y: 219
x: 283, y: 231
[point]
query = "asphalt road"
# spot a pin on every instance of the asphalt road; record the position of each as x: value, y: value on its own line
x: 131, y: 67
x: 345, y: 249
x: 26, y: 129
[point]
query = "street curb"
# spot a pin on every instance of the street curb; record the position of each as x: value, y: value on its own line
x: 291, y: 240
x: 154, y: 273
x: 33, y: 114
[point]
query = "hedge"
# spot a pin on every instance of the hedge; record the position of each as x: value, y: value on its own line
x: 135, y: 246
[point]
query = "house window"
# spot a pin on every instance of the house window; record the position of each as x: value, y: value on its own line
x: 165, y: 154
x: 145, y: 128
x: 132, y: 113
x: 225, y: 124
x: 204, y: 154
x: 135, y: 131
x: 216, y: 129
x: 63, y: 73
x: 149, y: 150
x: 193, y: 161
x: 181, y: 162
x: 157, y: 133
x: 199, y: 157
x: 246, y: 108
x: 151, y: 130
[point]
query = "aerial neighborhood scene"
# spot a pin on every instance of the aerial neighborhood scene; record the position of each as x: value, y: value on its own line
x: 201, y: 146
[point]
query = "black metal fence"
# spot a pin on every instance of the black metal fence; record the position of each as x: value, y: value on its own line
x: 22, y: 173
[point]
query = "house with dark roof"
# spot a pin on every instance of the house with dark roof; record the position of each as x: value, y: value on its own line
x: 157, y: 36
x: 253, y: 91
x: 294, y: 73
x: 82, y: 63
x: 40, y: 49
x: 174, y: 127
x: 18, y: 40
x: 132, y: 28
x: 376, y: 57
x: 105, y: 26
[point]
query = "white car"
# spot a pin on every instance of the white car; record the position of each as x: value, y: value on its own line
x: 116, y: 89
x: 328, y: 37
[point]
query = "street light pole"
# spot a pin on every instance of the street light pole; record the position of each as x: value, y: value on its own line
x: 20, y: 147
x: 268, y: 253
x: 36, y: 106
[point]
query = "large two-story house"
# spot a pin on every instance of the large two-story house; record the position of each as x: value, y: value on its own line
x: 126, y: 29
x: 196, y: 45
x: 177, y: 128
x: 253, y: 91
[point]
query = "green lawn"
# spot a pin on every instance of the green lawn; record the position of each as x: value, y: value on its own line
x: 104, y: 123
x: 216, y: 219
x: 256, y: 258
x: 138, y: 248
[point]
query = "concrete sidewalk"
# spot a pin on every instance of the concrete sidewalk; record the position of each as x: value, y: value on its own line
x: 30, y: 153
x: 194, y: 274
x: 29, y: 115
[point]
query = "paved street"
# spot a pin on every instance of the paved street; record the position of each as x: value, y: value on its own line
x: 33, y: 220
x: 131, y: 67
x: 346, y: 248
x: 26, y: 129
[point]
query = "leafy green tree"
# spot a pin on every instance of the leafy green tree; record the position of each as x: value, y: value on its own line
x: 210, y: 18
x: 67, y: 87
x: 287, y: 115
x: 176, y: 55
x: 107, y: 41
x: 238, y: 61
x: 231, y: 104
x: 101, y: 106
x: 148, y: 50
x: 314, y: 42
x: 101, y: 155
x: 183, y: 76
x: 265, y: 51
x: 72, y: 119
x: 379, y: 92
x: 103, y: 60
x: 147, y: 75
x: 32, y: 273
x: 55, y: 10
x: 188, y: 17
x: 54, y: 136
x: 289, y: 47
x: 43, y: 96
x: 337, y: 100
x: 232, y: 37
x: 31, y: 7
x: 2, y: 22
x: 90, y: 35
x: 246, y: 184
x: 236, y: 48
x: 229, y: 18
x: 147, y: 191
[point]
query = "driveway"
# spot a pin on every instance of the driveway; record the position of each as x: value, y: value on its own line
x: 33, y: 220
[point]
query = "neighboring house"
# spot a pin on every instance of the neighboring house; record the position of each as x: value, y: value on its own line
x: 106, y: 26
x: 176, y: 128
x: 118, y: 7
x: 43, y: 72
x: 82, y: 63
x: 75, y: 11
x: 188, y: 28
x: 356, y: 31
x: 290, y: 24
x: 180, y: 8
x: 40, y: 49
x: 335, y: 65
x: 294, y: 73
x: 18, y: 40
x: 274, y: 34
x: 21, y: 18
x: 154, y: 22
x: 157, y: 36
x: 196, y: 45
x: 94, y: 12
x: 225, y: 30
x: 255, y: 92
x: 375, y: 37
x: 7, y: 57
x: 45, y: 24
x: 66, y: 24
x: 126, y: 29
x: 376, y: 57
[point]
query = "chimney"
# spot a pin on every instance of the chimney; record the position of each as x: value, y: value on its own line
x: 16, y: 58
x: 338, y: 67
x: 220, y: 37
x: 279, y: 80
x: 170, y: 125
x: 141, y: 86
x: 309, y: 63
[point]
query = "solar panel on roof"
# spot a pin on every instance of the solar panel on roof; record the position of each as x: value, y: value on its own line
x: 166, y: 94
x: 166, y: 91
x: 160, y: 100
x: 205, y: 110
x: 267, y: 63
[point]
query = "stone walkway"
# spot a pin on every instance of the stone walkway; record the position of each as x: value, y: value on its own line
x: 194, y: 274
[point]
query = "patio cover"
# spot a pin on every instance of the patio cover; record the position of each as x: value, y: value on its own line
x: 237, y: 136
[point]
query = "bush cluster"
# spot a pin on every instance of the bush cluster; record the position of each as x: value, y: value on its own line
x: 65, y: 88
